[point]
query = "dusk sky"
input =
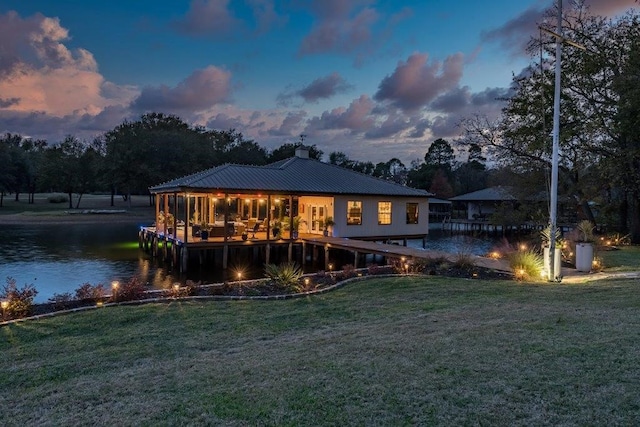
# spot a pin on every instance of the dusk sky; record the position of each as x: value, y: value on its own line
x: 373, y: 79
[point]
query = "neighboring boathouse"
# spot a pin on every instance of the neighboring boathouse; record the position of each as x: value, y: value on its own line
x: 292, y: 203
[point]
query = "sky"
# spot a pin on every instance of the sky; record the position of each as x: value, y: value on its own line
x: 375, y: 80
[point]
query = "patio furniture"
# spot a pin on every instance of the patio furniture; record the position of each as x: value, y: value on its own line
x: 256, y: 227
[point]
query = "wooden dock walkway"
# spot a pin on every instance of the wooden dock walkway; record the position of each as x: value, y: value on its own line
x: 173, y: 249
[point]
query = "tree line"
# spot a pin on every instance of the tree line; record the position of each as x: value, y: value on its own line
x: 156, y: 148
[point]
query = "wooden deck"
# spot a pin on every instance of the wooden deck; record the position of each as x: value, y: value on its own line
x: 173, y: 248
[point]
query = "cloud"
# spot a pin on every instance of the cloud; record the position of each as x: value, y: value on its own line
x: 207, y: 17
x: 414, y: 83
x: 8, y: 102
x: 38, y: 73
x: 265, y: 15
x: 610, y: 7
x: 201, y: 90
x: 216, y: 18
x: 321, y: 88
x: 514, y: 35
x: 290, y: 124
x: 324, y: 87
x: 355, y: 118
x: 341, y: 26
x: 40, y: 125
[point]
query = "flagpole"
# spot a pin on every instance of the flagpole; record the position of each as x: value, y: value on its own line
x: 553, y: 213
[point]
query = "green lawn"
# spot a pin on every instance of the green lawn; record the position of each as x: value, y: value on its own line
x: 627, y: 258
x: 42, y: 206
x: 387, y: 351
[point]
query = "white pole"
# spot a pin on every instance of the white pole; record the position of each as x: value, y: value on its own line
x: 553, y: 275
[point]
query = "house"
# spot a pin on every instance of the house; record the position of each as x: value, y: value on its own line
x: 482, y: 203
x: 360, y: 206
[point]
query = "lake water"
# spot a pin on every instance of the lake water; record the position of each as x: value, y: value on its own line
x: 58, y: 258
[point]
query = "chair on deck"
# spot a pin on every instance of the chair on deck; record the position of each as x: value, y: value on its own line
x: 256, y: 227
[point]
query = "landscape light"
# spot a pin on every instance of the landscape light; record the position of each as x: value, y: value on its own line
x: 5, y: 305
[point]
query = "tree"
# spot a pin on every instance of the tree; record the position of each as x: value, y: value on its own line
x: 440, y: 155
x: 440, y: 185
x: 70, y: 167
x: 591, y: 143
x: 289, y: 150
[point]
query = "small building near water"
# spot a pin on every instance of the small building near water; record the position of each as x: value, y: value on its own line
x: 287, y: 201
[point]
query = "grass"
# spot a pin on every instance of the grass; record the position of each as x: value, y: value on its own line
x: 627, y: 258
x: 42, y: 206
x: 388, y: 351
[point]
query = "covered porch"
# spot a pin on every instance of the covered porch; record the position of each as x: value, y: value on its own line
x: 194, y: 217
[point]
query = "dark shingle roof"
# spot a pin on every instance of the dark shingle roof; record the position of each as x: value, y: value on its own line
x: 293, y: 175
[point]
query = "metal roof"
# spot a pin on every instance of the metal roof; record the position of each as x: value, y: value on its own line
x: 498, y: 193
x: 295, y: 175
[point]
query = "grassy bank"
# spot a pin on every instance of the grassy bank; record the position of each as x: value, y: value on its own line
x: 393, y: 351
x: 43, y: 210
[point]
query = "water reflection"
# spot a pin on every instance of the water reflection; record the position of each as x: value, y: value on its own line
x: 60, y: 258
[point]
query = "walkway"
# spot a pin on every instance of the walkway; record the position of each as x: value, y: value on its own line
x: 570, y: 275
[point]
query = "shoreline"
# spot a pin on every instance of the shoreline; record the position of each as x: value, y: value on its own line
x: 68, y: 218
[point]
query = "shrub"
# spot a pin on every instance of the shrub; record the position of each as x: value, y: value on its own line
x: 58, y: 198
x: 348, y: 270
x: 285, y: 275
x: 20, y: 301
x: 90, y: 292
x: 464, y: 260
x: 131, y: 290
x: 373, y: 269
x: 526, y: 265
x: 177, y: 290
x: 502, y: 249
x: 61, y: 301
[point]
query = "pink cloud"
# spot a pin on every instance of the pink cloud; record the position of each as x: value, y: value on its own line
x: 342, y: 26
x: 201, y: 90
x: 414, y: 83
x: 39, y: 73
x: 610, y: 7
x: 355, y: 118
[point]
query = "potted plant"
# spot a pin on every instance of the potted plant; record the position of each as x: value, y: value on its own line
x: 167, y: 221
x: 545, y: 236
x: 328, y: 222
x: 204, y: 230
x: 584, y: 245
x: 297, y: 221
x: 276, y: 230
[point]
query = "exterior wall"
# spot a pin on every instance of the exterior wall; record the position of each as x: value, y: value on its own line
x: 370, y: 226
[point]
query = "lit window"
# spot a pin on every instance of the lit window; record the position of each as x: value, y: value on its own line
x: 384, y: 213
x: 354, y: 212
x: 412, y: 213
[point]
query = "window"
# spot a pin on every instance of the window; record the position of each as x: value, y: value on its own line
x: 412, y: 213
x: 354, y: 212
x: 384, y: 213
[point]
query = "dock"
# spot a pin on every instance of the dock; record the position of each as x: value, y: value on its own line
x: 259, y: 248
